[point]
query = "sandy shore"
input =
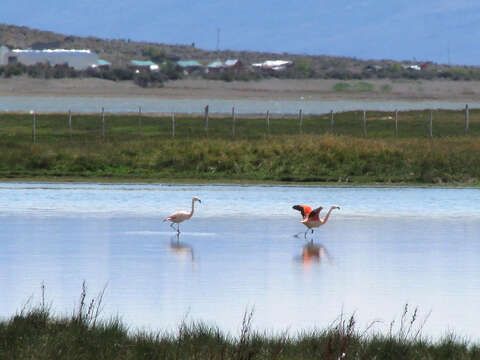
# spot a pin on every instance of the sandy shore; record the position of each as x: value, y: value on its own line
x: 275, y: 89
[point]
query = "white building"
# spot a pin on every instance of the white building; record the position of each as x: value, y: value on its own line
x: 275, y: 65
x: 77, y: 59
x: 4, y: 51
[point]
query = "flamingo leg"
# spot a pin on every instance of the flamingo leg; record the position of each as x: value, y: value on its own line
x: 306, y: 232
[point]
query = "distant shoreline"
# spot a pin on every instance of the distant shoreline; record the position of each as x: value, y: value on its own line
x: 269, y: 89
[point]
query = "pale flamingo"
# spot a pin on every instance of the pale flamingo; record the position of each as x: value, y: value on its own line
x: 180, y: 216
x: 311, y: 218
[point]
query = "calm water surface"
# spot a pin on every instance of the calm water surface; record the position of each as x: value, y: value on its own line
x: 386, y: 247
x: 126, y: 105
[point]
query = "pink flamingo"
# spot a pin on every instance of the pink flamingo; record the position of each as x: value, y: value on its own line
x: 311, y: 218
x: 180, y: 216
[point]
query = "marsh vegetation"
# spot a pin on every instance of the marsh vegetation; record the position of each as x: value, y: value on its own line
x: 306, y: 149
x: 35, y: 332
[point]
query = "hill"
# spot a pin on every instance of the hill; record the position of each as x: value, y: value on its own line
x: 120, y: 51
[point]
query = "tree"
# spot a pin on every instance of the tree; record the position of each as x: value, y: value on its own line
x: 303, y: 69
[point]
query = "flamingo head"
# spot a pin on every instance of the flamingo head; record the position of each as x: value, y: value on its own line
x: 197, y: 199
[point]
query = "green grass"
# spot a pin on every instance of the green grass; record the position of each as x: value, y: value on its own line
x: 341, y: 86
x: 360, y: 86
x: 363, y: 86
x: 35, y: 333
x: 386, y: 88
x: 54, y: 128
x: 287, y: 153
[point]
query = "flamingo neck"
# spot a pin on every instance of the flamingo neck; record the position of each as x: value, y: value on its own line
x: 325, y: 219
x: 191, y: 212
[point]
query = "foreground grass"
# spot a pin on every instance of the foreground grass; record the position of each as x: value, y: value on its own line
x: 130, y: 148
x: 36, y: 334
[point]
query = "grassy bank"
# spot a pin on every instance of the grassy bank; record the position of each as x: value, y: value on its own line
x: 299, y: 158
x: 37, y: 334
x: 129, y: 149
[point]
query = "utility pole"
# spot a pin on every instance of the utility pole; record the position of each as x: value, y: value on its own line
x: 448, y: 52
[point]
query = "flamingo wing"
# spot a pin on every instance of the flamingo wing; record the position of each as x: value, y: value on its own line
x: 305, y: 210
x: 315, y: 213
x: 178, y: 216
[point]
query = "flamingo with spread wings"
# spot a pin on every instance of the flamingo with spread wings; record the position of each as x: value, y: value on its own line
x: 311, y: 218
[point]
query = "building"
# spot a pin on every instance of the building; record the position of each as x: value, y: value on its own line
x: 103, y: 64
x: 190, y: 67
x: 273, y: 65
x: 234, y: 65
x: 77, y: 59
x: 140, y: 65
x: 4, y: 51
x: 412, y: 67
x: 215, y: 67
x: 373, y: 68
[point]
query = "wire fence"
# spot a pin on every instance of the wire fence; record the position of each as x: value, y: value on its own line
x: 74, y: 127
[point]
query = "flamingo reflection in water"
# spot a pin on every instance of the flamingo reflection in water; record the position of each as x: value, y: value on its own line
x: 313, y: 253
x: 311, y: 218
x: 181, y: 250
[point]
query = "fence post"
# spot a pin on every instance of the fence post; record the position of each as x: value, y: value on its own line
x: 233, y: 121
x: 173, y: 124
x: 430, y: 130
x: 206, y: 119
x: 70, y: 123
x: 140, y: 120
x: 467, y: 119
x: 396, y: 123
x: 300, y: 120
x: 268, y: 122
x: 34, y: 129
x: 103, y: 123
x: 331, y: 121
x: 364, y: 122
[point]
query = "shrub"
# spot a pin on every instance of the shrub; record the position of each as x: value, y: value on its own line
x: 363, y: 86
x: 341, y: 87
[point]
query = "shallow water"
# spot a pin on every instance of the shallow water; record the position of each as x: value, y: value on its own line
x: 190, y: 106
x: 386, y: 247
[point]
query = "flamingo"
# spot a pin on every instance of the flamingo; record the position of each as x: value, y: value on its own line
x: 180, y: 216
x: 311, y: 218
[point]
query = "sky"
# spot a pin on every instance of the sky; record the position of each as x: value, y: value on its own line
x: 443, y: 31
